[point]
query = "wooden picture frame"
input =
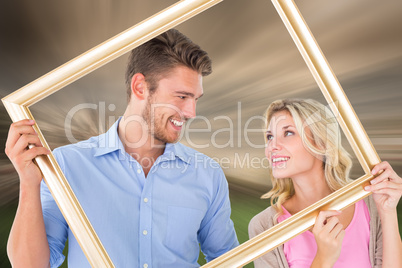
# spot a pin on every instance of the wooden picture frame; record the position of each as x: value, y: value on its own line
x: 18, y: 102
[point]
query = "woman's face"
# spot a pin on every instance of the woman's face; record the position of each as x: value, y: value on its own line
x: 287, y: 155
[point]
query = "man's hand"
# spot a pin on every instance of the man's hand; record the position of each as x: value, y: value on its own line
x: 27, y: 244
x: 20, y: 136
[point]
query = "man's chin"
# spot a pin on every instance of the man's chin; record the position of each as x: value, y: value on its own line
x: 168, y: 139
x: 174, y: 140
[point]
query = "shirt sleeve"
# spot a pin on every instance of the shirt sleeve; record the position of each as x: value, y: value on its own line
x: 217, y: 234
x: 55, y: 224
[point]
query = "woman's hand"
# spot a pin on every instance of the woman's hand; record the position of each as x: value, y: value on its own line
x: 328, y: 233
x: 386, y: 188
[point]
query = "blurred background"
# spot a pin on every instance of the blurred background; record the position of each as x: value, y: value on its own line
x: 254, y: 60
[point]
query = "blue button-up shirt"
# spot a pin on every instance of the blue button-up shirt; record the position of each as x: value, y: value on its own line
x: 154, y: 221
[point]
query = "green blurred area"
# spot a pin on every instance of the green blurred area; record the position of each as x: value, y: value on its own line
x: 7, y: 213
x: 244, y: 206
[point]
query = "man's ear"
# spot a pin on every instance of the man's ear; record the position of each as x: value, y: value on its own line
x: 139, y: 86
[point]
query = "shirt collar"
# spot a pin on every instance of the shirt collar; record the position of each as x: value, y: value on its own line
x: 173, y: 150
x: 110, y: 142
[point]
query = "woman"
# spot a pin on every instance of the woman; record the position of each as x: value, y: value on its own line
x: 307, y: 163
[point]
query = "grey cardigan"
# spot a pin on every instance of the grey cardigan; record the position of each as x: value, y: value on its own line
x: 276, y: 258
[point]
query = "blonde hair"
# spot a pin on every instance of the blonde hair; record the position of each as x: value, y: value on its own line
x: 323, y: 140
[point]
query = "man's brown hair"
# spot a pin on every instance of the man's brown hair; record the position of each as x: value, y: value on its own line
x: 158, y: 56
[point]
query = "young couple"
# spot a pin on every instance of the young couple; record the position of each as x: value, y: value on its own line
x: 152, y: 206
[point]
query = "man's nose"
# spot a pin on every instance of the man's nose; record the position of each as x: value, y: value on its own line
x: 189, y: 109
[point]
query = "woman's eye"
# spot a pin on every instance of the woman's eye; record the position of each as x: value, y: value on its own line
x: 289, y: 133
x: 269, y: 137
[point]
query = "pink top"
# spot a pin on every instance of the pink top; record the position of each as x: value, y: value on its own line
x: 300, y: 251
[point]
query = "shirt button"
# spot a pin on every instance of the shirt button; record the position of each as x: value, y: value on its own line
x: 138, y: 171
x: 145, y: 265
x: 145, y: 232
x: 146, y: 200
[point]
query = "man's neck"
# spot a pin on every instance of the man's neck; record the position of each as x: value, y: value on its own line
x: 141, y: 146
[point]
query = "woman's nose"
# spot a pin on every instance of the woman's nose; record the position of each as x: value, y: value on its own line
x: 274, y: 144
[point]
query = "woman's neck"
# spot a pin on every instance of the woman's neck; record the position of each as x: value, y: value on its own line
x: 309, y: 188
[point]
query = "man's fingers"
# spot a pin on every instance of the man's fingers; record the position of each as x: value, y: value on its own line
x: 16, y: 130
x: 26, y: 157
x: 24, y: 141
x: 24, y: 122
x: 34, y: 152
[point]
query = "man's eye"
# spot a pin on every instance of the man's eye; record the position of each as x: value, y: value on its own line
x: 182, y: 97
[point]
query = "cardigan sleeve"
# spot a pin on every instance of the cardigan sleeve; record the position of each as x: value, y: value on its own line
x: 258, y: 224
x: 375, y: 246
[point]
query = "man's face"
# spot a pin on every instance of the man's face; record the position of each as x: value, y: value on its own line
x: 172, y: 104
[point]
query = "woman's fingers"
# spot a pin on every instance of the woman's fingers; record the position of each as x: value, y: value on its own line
x: 323, y: 216
x: 388, y: 173
x: 392, y: 194
x: 388, y: 179
x: 328, y: 234
x: 382, y: 177
x: 384, y: 185
x: 340, y: 235
x: 381, y: 166
x: 333, y: 227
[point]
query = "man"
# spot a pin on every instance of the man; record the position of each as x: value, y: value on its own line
x: 151, y: 201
